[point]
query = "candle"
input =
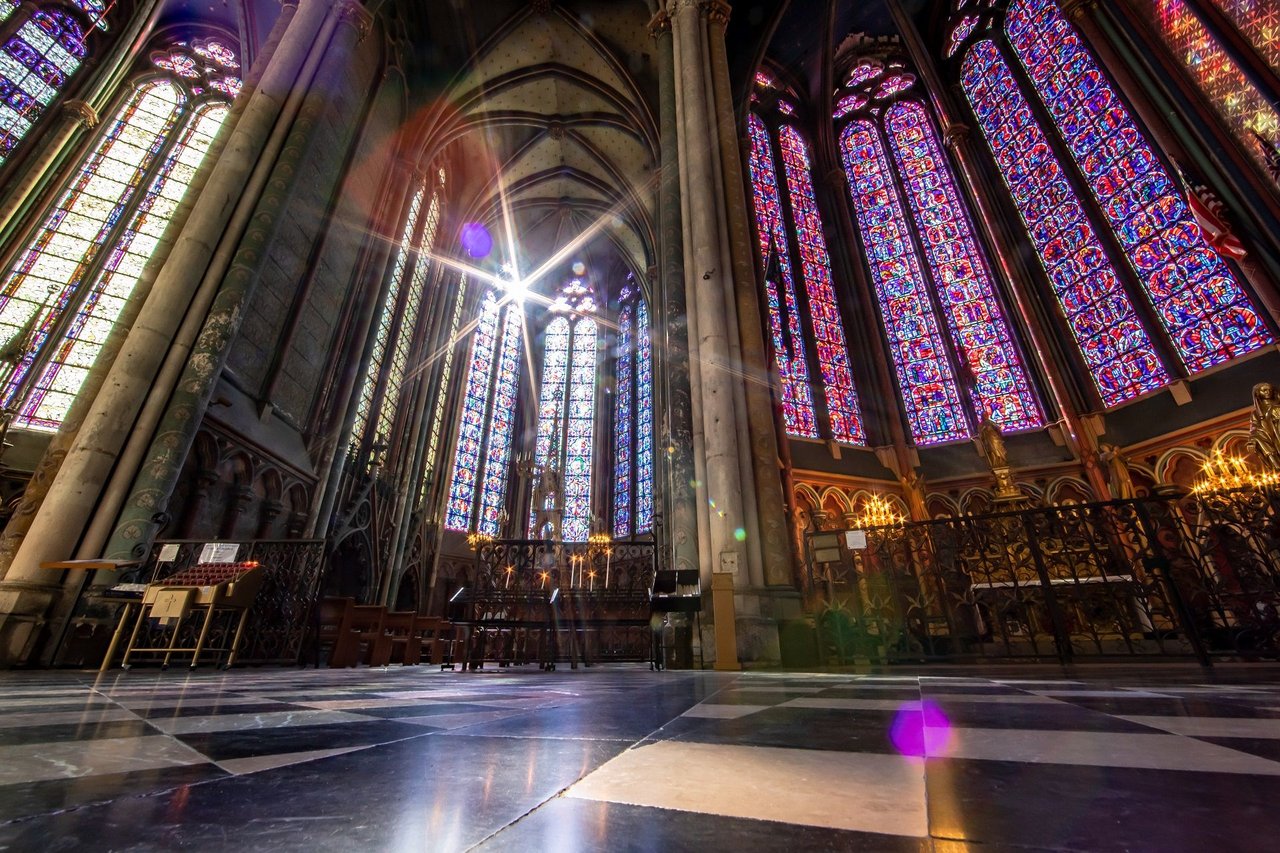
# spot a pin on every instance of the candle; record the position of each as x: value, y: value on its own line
x: 608, y: 557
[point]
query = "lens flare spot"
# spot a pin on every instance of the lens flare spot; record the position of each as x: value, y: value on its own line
x: 920, y: 730
x: 740, y: 535
x: 476, y: 240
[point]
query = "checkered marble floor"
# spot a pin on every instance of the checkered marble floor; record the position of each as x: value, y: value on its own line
x: 406, y: 758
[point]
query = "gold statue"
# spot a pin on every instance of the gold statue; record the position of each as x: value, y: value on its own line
x: 1264, y: 426
x: 992, y: 441
x: 1118, y: 477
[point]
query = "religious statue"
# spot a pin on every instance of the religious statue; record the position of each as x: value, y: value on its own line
x: 992, y: 441
x: 546, y: 503
x: 1118, y: 477
x: 1264, y: 426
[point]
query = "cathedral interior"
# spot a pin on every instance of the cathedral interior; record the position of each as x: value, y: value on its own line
x: 854, y: 390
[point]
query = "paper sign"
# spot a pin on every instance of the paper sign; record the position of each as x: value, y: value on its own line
x: 168, y: 553
x: 856, y: 540
x: 219, y: 552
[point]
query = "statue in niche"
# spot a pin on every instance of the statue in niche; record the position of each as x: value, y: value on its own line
x: 1118, y: 477
x: 1264, y: 426
x: 546, y: 503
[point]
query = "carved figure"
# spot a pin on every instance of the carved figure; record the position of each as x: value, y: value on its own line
x: 992, y: 441
x: 1264, y: 426
x: 546, y: 503
x: 1118, y: 477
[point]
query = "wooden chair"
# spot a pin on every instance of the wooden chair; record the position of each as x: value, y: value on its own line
x: 331, y: 623
x: 395, y: 640
x: 357, y: 642
x: 426, y: 636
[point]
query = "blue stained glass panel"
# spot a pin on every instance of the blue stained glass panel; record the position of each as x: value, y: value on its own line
x: 1207, y: 314
x: 1114, y: 344
x: 462, y: 488
x: 932, y: 402
x: 644, y: 420
x: 960, y: 272
x: 579, y: 433
x: 623, y: 422
x: 493, y: 493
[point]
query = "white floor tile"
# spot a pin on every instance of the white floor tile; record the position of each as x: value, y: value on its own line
x: 842, y: 790
x: 712, y: 711
x: 241, y: 722
x: 35, y: 762
x: 1211, y: 726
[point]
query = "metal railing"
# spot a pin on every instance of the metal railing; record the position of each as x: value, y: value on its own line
x: 1164, y: 576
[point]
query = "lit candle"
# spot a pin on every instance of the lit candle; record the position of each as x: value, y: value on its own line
x: 608, y: 557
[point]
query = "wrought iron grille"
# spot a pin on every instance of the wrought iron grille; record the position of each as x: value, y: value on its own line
x: 537, y: 601
x: 1171, y: 575
x: 280, y: 617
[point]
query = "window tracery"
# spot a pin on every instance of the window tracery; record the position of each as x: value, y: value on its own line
x: 64, y: 293
x: 925, y: 262
x: 1193, y: 295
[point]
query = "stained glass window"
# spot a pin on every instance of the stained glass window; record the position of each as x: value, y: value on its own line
x: 644, y: 419
x: 493, y: 493
x: 579, y: 431
x: 633, y: 420
x: 475, y: 403
x: 34, y: 66
x: 1195, y: 295
x: 960, y: 273
x: 548, y: 444
x: 446, y: 373
x: 623, y: 423
x: 415, y: 290
x: 1243, y: 108
x: 784, y: 313
x: 924, y: 371
x: 65, y: 292
x: 386, y: 321
x: 1113, y: 342
x: 828, y: 332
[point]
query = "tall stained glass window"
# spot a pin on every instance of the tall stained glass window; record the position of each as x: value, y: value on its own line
x: 1259, y: 22
x: 780, y: 289
x: 567, y: 406
x: 481, y: 468
x: 1245, y: 110
x: 47, y: 48
x: 925, y: 262
x: 805, y: 327
x: 633, y: 419
x: 66, y: 290
x: 1164, y: 259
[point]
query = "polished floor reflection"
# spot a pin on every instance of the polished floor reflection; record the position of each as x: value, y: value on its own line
x: 624, y: 759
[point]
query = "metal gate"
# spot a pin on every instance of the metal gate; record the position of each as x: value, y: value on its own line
x: 1175, y: 576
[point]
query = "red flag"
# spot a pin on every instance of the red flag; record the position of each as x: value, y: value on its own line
x: 1210, y: 215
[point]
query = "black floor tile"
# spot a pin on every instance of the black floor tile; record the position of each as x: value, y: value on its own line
x: 1069, y: 807
x: 247, y: 743
x: 1041, y: 716
x: 1264, y: 747
x: 794, y: 728
x: 1153, y: 706
x: 567, y: 823
x: 34, y: 798
x: 74, y: 731
x: 211, y: 709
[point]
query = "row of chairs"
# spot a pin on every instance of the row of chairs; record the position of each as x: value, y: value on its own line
x: 370, y: 634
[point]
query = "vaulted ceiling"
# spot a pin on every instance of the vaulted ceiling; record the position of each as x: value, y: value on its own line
x: 552, y: 120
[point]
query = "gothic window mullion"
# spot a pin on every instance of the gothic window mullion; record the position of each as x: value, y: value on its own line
x: 953, y: 353
x: 1156, y: 331
x: 54, y: 337
x: 808, y: 344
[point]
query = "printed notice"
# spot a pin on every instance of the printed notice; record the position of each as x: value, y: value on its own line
x: 219, y: 552
x: 168, y: 553
x: 856, y: 540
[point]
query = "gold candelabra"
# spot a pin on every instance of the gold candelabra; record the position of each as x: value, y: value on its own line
x: 1223, y: 473
x: 879, y: 511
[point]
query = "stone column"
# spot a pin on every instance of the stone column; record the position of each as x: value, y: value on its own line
x: 674, y: 444
x: 778, y: 569
x: 26, y: 592
x: 190, y: 399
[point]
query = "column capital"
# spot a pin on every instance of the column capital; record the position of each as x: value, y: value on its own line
x: 81, y: 111
x: 955, y: 133
x: 355, y: 15
x: 717, y: 11
x: 1077, y: 10
x: 659, y: 24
